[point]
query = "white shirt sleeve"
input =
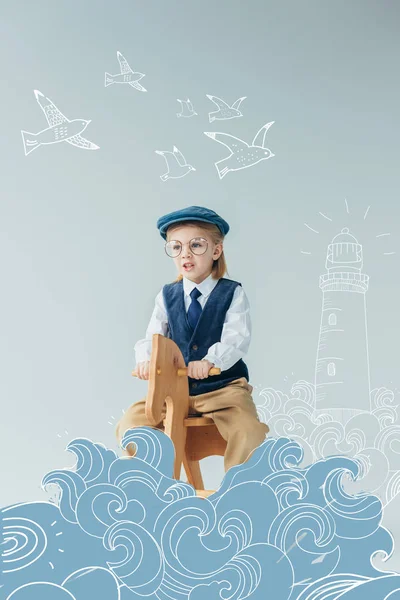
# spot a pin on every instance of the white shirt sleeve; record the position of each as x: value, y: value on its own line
x: 158, y: 324
x: 236, y: 333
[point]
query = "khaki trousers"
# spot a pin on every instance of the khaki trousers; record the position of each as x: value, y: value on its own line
x: 231, y: 408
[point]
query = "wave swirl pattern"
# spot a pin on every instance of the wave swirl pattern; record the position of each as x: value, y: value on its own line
x: 122, y: 528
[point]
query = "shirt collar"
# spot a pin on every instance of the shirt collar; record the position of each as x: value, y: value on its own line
x: 205, y: 287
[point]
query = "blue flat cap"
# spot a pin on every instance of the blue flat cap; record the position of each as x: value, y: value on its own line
x: 191, y: 213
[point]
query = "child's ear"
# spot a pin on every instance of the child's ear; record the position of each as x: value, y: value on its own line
x: 218, y: 250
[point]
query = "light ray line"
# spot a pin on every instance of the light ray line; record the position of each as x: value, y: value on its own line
x: 325, y: 217
x: 314, y: 230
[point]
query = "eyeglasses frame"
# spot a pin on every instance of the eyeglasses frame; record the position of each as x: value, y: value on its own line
x: 190, y: 241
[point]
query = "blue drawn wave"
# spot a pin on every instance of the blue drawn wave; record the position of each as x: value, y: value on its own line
x: 124, y: 528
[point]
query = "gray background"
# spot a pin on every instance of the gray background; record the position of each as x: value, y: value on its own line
x: 81, y: 257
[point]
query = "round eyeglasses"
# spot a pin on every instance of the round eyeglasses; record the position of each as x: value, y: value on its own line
x: 197, y: 245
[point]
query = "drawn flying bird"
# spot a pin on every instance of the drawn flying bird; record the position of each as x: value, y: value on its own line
x: 127, y: 75
x: 176, y: 164
x: 224, y: 110
x: 187, y: 109
x: 242, y: 154
x: 60, y: 129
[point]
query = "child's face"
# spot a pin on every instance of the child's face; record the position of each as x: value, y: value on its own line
x: 200, y: 265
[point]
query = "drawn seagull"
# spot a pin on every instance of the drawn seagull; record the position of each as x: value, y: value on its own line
x: 127, y: 75
x: 187, y: 109
x: 224, y: 110
x: 242, y: 154
x: 176, y: 164
x: 60, y: 129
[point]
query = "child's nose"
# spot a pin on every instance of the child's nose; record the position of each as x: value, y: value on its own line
x: 186, y: 250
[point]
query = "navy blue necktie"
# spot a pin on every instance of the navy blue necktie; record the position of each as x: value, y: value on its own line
x: 195, y: 309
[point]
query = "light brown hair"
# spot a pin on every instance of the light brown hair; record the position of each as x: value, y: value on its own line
x: 219, y: 268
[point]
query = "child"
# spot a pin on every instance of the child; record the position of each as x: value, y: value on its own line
x: 207, y: 316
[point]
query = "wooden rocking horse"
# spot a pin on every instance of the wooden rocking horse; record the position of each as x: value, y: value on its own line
x: 193, y: 437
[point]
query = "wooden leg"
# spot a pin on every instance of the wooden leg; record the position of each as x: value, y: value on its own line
x: 193, y: 473
x: 179, y: 454
x: 175, y: 430
x: 204, y: 493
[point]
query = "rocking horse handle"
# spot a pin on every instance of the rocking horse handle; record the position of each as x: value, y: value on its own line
x: 181, y: 372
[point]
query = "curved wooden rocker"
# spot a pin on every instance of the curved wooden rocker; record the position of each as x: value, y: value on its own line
x: 193, y: 437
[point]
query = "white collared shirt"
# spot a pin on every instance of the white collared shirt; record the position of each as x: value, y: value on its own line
x: 236, y: 331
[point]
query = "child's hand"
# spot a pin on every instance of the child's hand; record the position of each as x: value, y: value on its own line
x: 198, y: 369
x: 143, y: 369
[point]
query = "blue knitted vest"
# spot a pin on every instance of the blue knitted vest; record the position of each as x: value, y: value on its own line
x: 194, y: 345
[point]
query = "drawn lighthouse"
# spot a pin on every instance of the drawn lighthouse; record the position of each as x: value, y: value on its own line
x: 342, y: 379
